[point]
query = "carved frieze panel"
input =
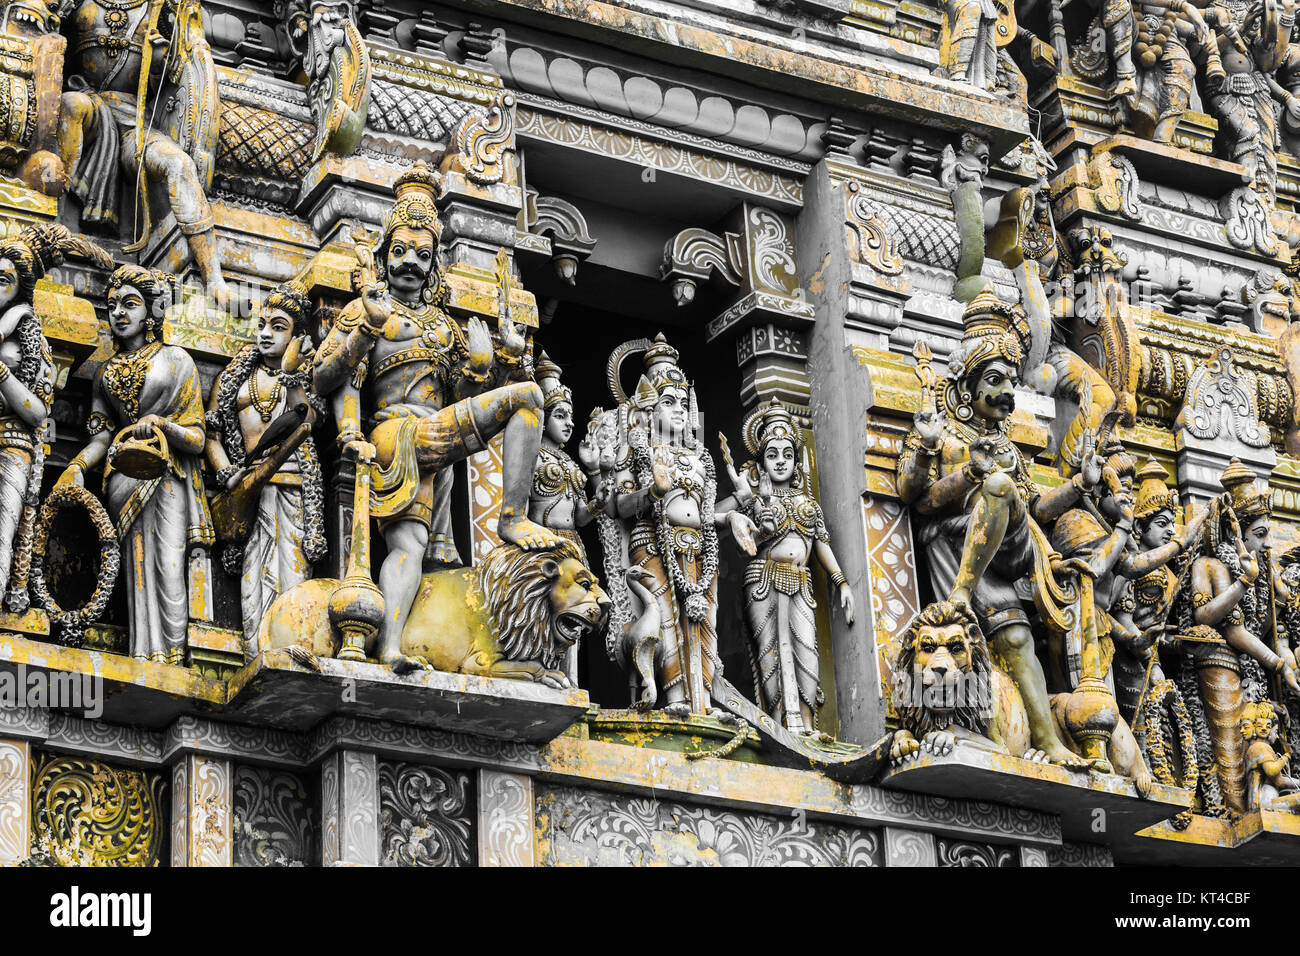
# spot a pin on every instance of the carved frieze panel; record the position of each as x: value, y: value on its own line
x: 577, y: 826
x: 89, y: 813
x: 427, y: 815
x: 966, y: 853
x: 275, y: 818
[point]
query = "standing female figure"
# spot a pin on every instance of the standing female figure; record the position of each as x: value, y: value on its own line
x: 147, y: 412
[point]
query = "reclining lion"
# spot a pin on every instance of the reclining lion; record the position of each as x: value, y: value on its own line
x: 514, y: 615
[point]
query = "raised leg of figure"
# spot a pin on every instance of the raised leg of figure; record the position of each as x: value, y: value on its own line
x: 516, y: 410
x: 1015, y: 646
x: 399, y: 581
x: 166, y: 163
x: 988, y: 526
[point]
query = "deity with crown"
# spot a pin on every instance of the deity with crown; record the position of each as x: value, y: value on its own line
x: 665, y: 498
x: 978, y: 510
x: 430, y: 394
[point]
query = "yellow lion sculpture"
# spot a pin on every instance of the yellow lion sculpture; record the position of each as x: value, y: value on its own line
x: 514, y: 615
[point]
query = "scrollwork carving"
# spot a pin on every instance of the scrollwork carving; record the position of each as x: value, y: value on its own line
x: 426, y: 816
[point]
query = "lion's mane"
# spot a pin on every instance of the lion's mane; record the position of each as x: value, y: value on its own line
x: 518, y: 600
x: 972, y: 711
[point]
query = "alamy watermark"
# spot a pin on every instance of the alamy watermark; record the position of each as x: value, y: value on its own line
x: 57, y: 690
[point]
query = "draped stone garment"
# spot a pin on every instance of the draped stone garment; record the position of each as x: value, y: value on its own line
x: 159, y: 519
x: 273, y: 555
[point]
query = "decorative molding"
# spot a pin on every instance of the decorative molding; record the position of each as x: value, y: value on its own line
x: 85, y: 812
x: 966, y: 853
x: 540, y: 121
x: 350, y: 809
x: 15, y: 801
x: 1079, y: 854
x: 426, y: 816
x: 201, y: 811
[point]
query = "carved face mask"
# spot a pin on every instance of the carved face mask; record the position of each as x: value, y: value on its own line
x: 995, y: 392
x: 670, y: 413
x: 410, y: 260
x: 1159, y: 530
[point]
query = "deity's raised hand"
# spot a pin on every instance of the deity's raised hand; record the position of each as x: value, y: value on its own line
x: 513, y: 341
x: 299, y: 352
x: 480, y: 344
x: 378, y: 306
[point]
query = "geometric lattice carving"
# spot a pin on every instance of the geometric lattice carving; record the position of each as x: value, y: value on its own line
x: 416, y: 113
x: 262, y: 143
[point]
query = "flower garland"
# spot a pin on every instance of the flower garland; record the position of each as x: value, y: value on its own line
x: 1159, y: 747
x: 74, y: 622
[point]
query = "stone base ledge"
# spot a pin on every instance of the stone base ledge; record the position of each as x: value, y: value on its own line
x: 1258, y: 838
x: 1092, y: 806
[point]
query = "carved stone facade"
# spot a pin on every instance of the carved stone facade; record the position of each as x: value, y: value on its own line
x: 902, y: 343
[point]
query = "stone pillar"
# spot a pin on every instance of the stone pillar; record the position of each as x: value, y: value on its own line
x: 349, y: 782
x: 910, y: 848
x: 505, y: 819
x: 773, y: 364
x: 15, y: 800
x: 201, y: 811
x: 841, y: 396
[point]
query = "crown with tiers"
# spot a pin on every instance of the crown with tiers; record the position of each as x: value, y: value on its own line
x: 661, y: 368
x: 414, y: 207
x: 769, y: 423
x: 1248, y: 502
x: 548, y: 377
x: 1153, y: 492
x: 991, y: 329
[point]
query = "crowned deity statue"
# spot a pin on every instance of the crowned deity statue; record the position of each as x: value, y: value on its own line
x: 141, y: 110
x: 560, y: 498
x: 147, y: 429
x: 1232, y: 634
x: 1269, y: 783
x: 779, y: 604
x: 26, y: 389
x: 665, y: 500
x: 979, y: 511
x: 259, y: 444
x: 429, y: 394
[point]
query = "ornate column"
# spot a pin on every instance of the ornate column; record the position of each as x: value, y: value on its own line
x: 349, y: 783
x: 201, y: 811
x: 505, y: 819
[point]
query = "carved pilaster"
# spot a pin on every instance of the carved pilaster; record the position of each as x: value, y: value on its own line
x: 15, y: 800
x: 505, y: 819
x: 202, y: 791
x: 349, y: 809
x: 773, y: 364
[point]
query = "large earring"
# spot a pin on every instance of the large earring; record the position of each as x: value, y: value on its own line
x: 150, y: 330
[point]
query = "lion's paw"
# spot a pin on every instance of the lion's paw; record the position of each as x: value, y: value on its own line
x: 557, y: 679
x: 938, y: 742
x: 904, y: 747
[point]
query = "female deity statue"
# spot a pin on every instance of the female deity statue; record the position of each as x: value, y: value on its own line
x: 263, y: 381
x: 668, y: 491
x: 779, y: 602
x: 26, y: 390
x: 559, y: 498
x: 147, y: 429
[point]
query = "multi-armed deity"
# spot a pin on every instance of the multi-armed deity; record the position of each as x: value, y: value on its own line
x: 666, y: 495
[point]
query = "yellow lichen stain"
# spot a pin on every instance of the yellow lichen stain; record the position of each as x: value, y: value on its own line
x: 817, y: 284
